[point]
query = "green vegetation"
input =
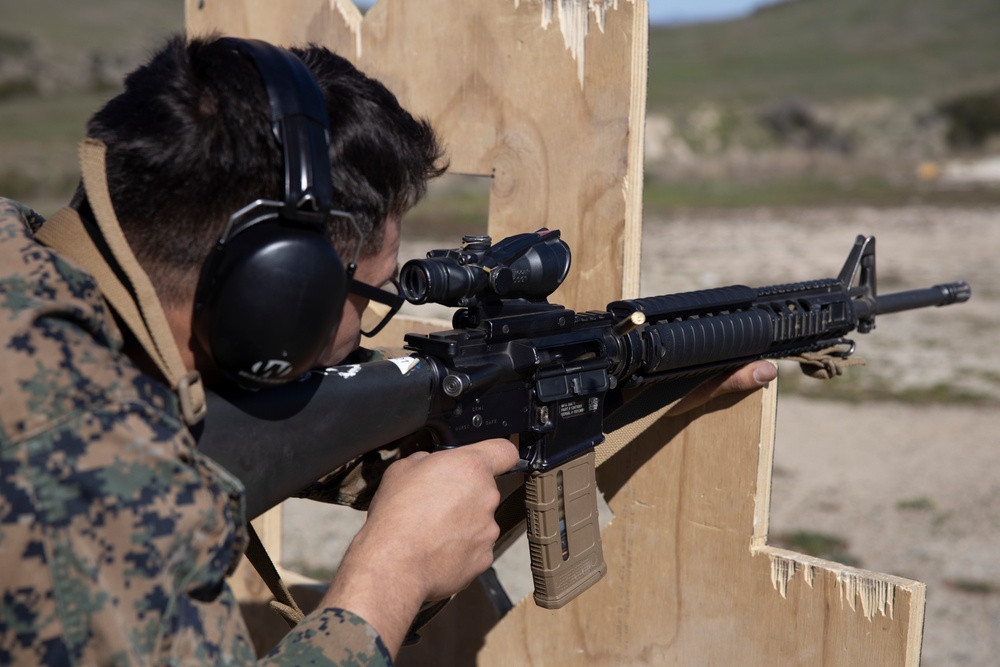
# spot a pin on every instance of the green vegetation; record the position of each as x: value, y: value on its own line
x: 455, y: 205
x: 858, y: 388
x: 661, y: 198
x: 810, y: 103
x: 56, y: 120
x: 59, y: 62
x: 69, y: 29
x: 820, y: 545
x: 921, y: 504
x: 973, y: 586
x: 848, y: 102
x: 14, y: 45
x: 828, y: 52
x: 38, y: 138
x: 972, y: 118
x: 860, y: 93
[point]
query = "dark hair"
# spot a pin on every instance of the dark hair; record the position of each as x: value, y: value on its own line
x: 190, y: 142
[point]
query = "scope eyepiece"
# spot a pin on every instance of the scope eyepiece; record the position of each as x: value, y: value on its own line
x: 414, y: 281
x: 444, y: 279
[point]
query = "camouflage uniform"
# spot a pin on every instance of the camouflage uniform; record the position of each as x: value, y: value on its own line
x: 115, y: 533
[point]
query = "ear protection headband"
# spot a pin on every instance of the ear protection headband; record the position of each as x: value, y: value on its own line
x: 272, y: 291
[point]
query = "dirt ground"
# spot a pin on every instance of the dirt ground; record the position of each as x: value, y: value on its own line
x: 904, y: 488
x: 896, y: 485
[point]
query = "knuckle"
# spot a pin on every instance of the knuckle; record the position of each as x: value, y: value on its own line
x: 493, y: 497
x: 493, y: 533
x: 394, y: 469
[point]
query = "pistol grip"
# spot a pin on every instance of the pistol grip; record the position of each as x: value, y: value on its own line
x: 563, y: 532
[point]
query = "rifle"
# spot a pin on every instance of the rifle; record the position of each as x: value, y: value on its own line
x: 558, y: 379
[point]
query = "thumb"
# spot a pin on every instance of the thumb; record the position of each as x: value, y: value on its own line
x: 752, y: 376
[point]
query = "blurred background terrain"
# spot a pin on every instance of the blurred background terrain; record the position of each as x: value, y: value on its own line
x: 798, y: 103
x: 774, y: 135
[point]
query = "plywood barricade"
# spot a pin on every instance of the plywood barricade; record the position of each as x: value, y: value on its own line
x: 547, y: 98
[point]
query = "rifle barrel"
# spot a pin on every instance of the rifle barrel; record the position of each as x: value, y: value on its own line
x: 939, y: 295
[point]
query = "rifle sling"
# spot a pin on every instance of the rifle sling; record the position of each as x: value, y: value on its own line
x: 123, y: 283
x: 283, y: 604
x: 105, y: 253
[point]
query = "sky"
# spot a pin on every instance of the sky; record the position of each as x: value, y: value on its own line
x: 689, y: 11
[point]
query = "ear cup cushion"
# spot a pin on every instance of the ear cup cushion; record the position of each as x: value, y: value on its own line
x: 270, y: 301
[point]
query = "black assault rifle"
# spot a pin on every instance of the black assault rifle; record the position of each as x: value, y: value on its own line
x: 559, y: 379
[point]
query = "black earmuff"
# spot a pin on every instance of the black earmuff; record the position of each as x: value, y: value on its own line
x: 271, y: 294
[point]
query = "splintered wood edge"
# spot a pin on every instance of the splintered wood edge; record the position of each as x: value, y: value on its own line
x: 871, y: 592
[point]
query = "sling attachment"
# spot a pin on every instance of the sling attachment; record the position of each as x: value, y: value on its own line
x: 105, y: 253
x: 827, y: 363
x: 283, y: 603
x: 188, y: 388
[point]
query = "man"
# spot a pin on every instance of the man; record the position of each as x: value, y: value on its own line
x: 117, y: 533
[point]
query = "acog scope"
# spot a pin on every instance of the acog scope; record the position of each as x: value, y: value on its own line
x: 524, y: 266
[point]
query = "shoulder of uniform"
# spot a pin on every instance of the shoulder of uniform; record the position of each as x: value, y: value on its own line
x: 14, y: 213
x: 60, y: 345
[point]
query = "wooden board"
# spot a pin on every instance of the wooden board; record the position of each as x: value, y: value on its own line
x: 547, y: 98
x: 690, y: 578
x: 560, y: 134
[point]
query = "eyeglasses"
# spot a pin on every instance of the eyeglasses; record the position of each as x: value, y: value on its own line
x: 389, y: 298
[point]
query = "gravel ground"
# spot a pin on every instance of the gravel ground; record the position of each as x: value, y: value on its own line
x: 905, y: 488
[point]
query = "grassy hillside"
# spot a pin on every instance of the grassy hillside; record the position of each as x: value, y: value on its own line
x: 59, y: 61
x: 872, y: 77
x: 68, y: 29
x: 829, y: 50
x: 823, y: 102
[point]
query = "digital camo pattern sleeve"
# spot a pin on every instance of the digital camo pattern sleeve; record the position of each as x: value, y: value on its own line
x: 116, y: 535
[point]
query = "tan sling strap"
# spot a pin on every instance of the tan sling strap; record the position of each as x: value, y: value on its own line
x: 128, y: 290
x: 826, y: 364
x: 283, y: 603
x: 133, y: 297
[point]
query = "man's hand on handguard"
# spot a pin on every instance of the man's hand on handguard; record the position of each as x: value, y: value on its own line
x: 752, y: 376
x: 430, y: 532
